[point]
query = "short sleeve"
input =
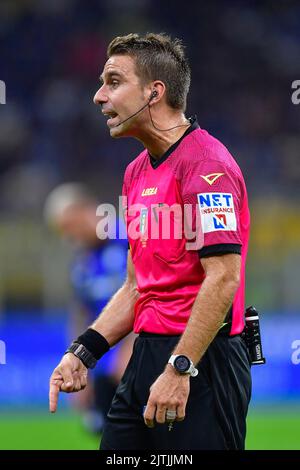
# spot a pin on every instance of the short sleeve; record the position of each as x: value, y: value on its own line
x: 214, y: 191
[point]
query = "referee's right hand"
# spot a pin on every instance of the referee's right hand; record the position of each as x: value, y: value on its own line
x: 69, y: 376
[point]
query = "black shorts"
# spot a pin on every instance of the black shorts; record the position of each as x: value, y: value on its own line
x: 216, y: 409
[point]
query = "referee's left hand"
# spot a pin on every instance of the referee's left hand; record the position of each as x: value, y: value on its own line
x: 69, y: 376
x: 169, y: 392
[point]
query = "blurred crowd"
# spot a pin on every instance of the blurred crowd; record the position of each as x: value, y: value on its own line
x: 244, y: 58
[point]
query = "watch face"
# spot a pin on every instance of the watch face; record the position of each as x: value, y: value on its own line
x: 182, y: 363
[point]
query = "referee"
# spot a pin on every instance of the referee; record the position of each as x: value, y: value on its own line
x: 188, y: 384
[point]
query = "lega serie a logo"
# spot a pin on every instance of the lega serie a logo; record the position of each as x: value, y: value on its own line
x: 143, y: 226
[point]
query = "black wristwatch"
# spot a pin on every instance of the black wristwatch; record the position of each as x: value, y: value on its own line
x: 183, y: 365
x: 83, y: 354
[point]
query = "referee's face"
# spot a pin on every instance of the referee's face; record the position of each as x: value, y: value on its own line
x: 121, y: 95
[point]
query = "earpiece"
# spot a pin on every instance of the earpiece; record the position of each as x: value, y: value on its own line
x: 153, y: 95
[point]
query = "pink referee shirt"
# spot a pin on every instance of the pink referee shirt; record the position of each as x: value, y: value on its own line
x: 195, y: 190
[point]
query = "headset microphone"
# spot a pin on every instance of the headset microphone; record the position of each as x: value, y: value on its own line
x: 153, y: 95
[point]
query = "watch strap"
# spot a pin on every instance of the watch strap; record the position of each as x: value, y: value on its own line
x: 80, y: 351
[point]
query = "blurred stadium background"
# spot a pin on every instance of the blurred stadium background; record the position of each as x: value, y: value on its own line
x: 244, y: 58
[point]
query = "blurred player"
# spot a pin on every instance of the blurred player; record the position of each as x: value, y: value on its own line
x: 98, y: 269
x: 189, y: 362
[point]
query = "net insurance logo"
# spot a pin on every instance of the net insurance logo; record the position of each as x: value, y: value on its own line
x: 2, y: 92
x: 217, y: 212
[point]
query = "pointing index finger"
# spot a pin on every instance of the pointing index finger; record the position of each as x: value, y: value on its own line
x: 53, y: 395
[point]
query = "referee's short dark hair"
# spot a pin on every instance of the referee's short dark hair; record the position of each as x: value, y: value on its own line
x: 158, y: 57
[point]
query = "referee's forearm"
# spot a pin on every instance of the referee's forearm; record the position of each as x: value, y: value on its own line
x: 208, y: 313
x: 116, y: 320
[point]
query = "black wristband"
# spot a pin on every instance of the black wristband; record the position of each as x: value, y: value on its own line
x: 94, y: 342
